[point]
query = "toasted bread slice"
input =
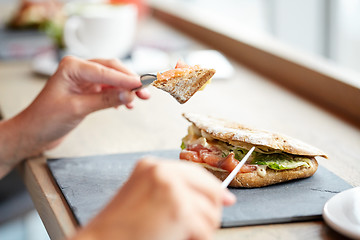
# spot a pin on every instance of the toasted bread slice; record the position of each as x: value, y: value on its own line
x: 254, y: 180
x: 183, y: 83
x: 242, y: 136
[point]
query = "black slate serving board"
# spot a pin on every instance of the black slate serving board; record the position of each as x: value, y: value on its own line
x: 88, y: 183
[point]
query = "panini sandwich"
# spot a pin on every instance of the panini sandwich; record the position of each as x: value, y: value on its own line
x: 218, y: 145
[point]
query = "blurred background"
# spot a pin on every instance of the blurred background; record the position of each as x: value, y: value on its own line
x: 43, y: 31
x: 327, y: 28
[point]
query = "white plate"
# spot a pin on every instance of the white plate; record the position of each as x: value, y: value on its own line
x: 206, y: 59
x: 45, y: 63
x: 342, y: 213
x: 211, y: 59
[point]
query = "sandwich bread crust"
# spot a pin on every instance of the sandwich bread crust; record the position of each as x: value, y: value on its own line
x: 253, y: 179
x: 239, y: 135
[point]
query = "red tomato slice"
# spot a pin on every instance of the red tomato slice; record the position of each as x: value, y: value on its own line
x: 246, y: 168
x: 181, y: 69
x: 196, y: 147
x: 181, y: 64
x: 228, y: 163
x: 190, y: 156
x: 210, y: 158
x: 200, y: 154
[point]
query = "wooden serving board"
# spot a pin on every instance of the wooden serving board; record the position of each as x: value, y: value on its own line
x: 88, y: 183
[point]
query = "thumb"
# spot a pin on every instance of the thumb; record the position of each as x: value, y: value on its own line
x: 228, y: 198
x: 106, y: 99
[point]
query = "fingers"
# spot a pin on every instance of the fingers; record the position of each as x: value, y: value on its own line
x: 114, y: 79
x: 125, y: 97
x: 118, y: 65
x: 95, y: 72
x: 228, y: 198
x: 201, y: 180
x: 143, y: 93
x: 201, y: 231
x: 129, y: 105
x: 209, y: 213
x: 114, y: 64
x: 210, y: 186
x: 105, y: 99
x: 173, y: 187
x: 204, y: 182
x: 205, y: 218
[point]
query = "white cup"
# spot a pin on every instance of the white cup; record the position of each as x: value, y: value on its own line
x: 100, y: 30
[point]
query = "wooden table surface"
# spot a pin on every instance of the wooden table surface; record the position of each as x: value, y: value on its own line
x: 157, y: 124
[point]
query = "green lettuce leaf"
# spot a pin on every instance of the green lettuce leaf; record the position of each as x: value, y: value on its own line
x: 183, y: 146
x: 279, y: 161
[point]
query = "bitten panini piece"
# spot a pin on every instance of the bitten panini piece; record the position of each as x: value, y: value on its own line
x: 183, y: 81
x: 219, y: 145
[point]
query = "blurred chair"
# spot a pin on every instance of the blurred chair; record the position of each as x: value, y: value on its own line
x: 15, y: 201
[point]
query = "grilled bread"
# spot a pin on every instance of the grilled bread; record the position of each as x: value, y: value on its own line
x: 218, y: 145
x: 183, y: 81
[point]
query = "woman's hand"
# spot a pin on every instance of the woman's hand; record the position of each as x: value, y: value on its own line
x: 162, y: 200
x: 77, y: 88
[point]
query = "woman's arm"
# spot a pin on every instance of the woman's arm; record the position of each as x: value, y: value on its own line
x: 77, y: 89
x: 10, y: 146
x: 162, y: 200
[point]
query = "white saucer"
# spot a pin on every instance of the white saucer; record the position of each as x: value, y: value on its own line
x: 45, y: 63
x: 342, y: 213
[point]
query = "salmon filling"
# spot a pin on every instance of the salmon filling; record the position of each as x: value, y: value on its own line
x: 200, y: 147
x: 181, y: 69
x: 213, y: 157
